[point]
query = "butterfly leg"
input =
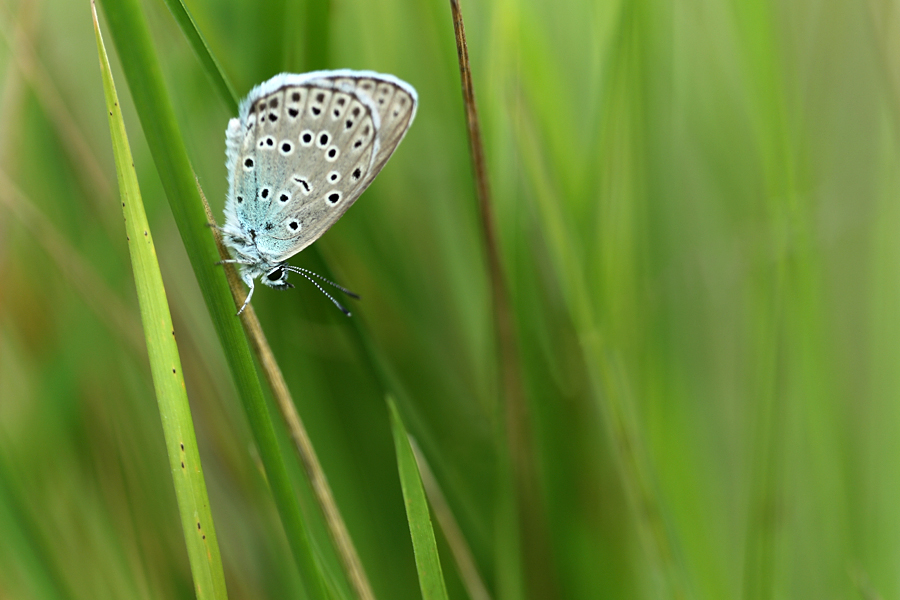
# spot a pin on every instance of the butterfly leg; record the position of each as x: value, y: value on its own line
x: 247, y: 301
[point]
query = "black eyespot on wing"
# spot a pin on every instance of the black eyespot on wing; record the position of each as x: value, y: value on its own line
x: 357, y: 143
x: 332, y: 153
x: 293, y: 112
x: 286, y: 147
x: 348, y: 124
x: 294, y: 225
x: 270, y: 141
x: 316, y: 111
x: 320, y: 97
x: 248, y: 163
x: 240, y: 199
x: 273, y: 117
x: 295, y: 96
x: 306, y: 138
x: 264, y: 192
x: 357, y: 173
x: 323, y: 139
x: 273, y: 103
x: 284, y: 197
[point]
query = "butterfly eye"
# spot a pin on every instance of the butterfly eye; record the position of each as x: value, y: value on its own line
x: 275, y: 274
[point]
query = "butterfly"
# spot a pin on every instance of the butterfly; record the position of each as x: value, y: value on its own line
x: 301, y: 151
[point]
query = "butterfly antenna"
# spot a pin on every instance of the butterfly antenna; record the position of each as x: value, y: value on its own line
x: 298, y: 270
x: 321, y: 289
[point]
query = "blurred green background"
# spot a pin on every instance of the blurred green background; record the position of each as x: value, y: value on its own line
x: 697, y: 207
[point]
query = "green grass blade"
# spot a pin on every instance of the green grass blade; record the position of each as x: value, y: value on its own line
x: 201, y: 49
x: 316, y: 44
x: 142, y: 71
x: 428, y: 563
x: 165, y: 363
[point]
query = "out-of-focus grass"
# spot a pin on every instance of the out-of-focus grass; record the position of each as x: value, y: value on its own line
x: 697, y: 209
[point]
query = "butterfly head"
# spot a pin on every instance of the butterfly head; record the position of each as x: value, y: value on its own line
x: 276, y: 277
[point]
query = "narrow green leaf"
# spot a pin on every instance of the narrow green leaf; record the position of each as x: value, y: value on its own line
x: 142, y: 71
x: 431, y: 577
x: 165, y: 363
x: 201, y: 49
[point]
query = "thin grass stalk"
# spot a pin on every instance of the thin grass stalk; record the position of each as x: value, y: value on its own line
x: 142, y: 70
x: 538, y: 564
x: 337, y: 529
x: 318, y: 482
x: 165, y: 363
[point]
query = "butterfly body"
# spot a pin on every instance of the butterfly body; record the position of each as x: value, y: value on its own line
x: 300, y: 153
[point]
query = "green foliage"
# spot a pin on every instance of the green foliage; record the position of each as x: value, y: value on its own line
x: 696, y: 207
x: 165, y: 362
x: 428, y: 563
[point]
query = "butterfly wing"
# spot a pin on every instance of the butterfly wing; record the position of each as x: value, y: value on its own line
x: 303, y: 150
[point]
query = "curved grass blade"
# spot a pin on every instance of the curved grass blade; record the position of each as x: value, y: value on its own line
x: 428, y: 563
x: 165, y: 363
x: 142, y: 71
